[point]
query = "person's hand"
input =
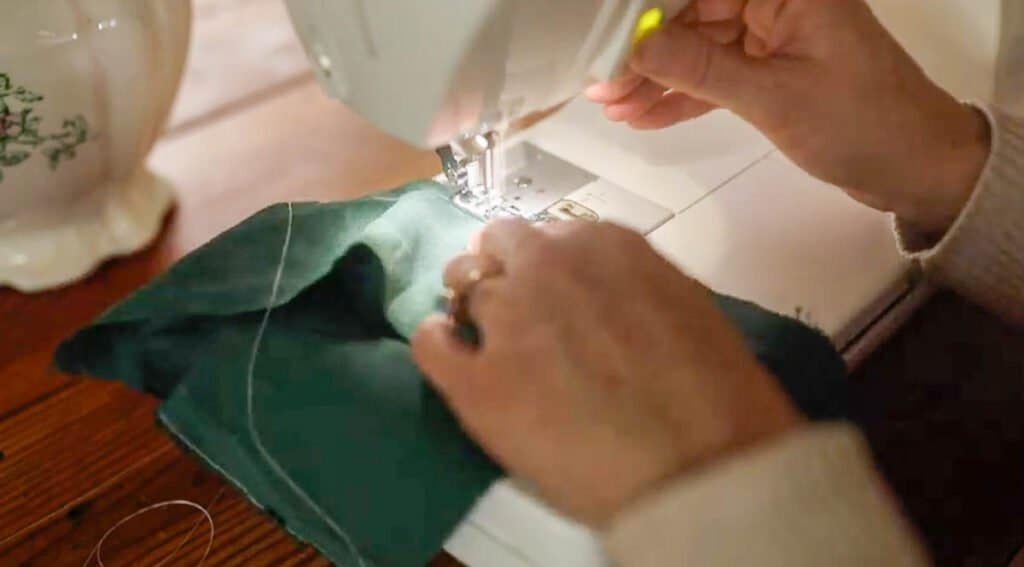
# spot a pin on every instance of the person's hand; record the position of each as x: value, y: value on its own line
x: 603, y: 371
x: 826, y: 83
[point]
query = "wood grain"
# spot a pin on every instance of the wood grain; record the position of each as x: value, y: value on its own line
x: 240, y: 536
x: 250, y: 129
x: 73, y: 444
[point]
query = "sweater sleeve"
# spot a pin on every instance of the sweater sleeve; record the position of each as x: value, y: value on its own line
x: 812, y: 498
x: 982, y: 254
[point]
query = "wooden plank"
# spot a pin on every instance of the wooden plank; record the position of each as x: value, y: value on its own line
x: 241, y: 536
x: 73, y: 444
x: 92, y: 455
x: 27, y: 380
x: 241, y: 50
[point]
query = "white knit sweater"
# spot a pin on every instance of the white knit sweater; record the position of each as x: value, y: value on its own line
x: 814, y: 497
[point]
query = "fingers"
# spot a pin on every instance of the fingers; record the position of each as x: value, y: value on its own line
x: 680, y: 58
x: 722, y: 33
x: 473, y: 246
x: 637, y: 99
x: 754, y: 46
x: 472, y: 388
x: 459, y: 371
x: 501, y: 238
x: 672, y: 109
x: 614, y: 90
x: 761, y: 17
x: 467, y: 270
x: 636, y: 103
x: 442, y: 356
x: 564, y: 228
x: 719, y: 10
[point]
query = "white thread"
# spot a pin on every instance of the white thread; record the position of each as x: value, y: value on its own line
x: 254, y: 432
x: 195, y: 526
x: 97, y: 551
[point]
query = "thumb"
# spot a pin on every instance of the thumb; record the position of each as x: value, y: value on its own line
x: 680, y: 58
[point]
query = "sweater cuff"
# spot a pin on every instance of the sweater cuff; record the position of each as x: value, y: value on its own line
x: 982, y: 254
x: 811, y: 498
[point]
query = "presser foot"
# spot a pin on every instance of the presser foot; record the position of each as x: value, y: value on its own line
x: 532, y: 185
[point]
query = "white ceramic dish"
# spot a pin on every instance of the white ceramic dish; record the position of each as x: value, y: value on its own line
x: 85, y: 89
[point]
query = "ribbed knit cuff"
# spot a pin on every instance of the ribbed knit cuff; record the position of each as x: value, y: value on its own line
x: 982, y: 254
x: 812, y: 498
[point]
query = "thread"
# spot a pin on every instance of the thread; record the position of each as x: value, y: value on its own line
x: 255, y: 437
x: 250, y: 413
x: 97, y: 550
x: 195, y: 526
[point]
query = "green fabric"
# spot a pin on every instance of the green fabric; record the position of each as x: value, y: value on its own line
x: 359, y: 456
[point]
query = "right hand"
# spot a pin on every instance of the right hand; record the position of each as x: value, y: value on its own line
x: 599, y: 380
x: 828, y: 85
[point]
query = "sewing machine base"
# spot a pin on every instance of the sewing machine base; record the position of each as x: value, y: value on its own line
x: 539, y: 186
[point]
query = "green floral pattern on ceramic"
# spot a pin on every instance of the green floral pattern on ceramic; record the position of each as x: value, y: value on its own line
x: 19, y: 130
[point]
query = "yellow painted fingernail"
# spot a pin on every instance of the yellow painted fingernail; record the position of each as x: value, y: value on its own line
x: 649, y: 22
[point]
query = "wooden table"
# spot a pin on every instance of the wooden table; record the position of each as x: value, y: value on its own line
x: 252, y: 128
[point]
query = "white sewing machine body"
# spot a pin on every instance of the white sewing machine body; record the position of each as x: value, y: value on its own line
x: 472, y: 65
x: 712, y: 195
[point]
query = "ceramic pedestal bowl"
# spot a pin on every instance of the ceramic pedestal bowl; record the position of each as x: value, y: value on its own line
x: 85, y: 89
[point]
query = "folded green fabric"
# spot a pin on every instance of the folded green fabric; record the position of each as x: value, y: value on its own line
x: 279, y: 349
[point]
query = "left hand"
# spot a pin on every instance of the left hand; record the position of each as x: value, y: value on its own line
x: 603, y: 370
x: 828, y: 85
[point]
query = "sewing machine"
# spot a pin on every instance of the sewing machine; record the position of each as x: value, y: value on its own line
x: 712, y: 195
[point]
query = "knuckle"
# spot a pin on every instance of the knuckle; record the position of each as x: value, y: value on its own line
x: 699, y: 66
x: 693, y: 64
x: 423, y: 346
x: 620, y: 236
x: 494, y: 231
x: 497, y: 306
x: 543, y: 250
x: 454, y: 269
x: 501, y: 226
x: 760, y: 15
x: 624, y: 234
x: 486, y: 294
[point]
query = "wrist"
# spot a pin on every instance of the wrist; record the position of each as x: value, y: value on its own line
x: 952, y: 168
x: 764, y: 414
